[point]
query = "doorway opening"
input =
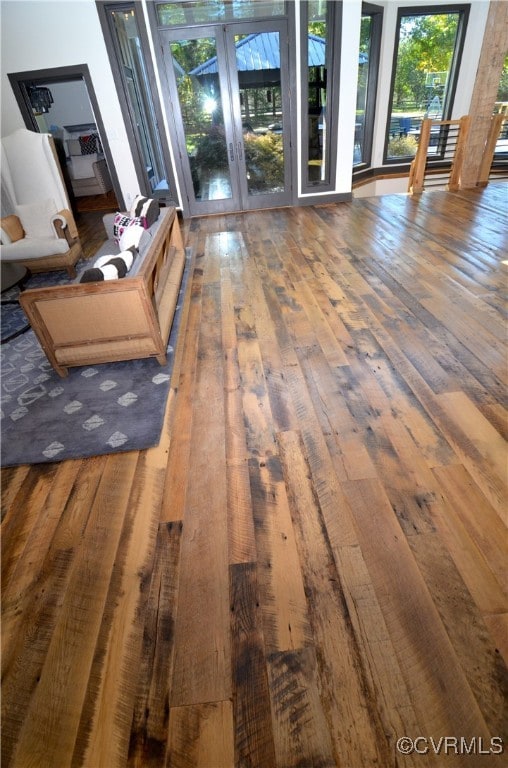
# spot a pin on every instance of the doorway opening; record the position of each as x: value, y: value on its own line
x: 62, y: 102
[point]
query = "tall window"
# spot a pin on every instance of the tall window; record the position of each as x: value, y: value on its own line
x: 121, y: 25
x: 428, y: 47
x: 368, y: 64
x: 320, y: 19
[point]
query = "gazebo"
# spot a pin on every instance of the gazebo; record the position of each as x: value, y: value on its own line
x: 258, y: 60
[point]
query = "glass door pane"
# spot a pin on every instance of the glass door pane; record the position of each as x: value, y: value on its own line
x: 258, y: 64
x: 230, y: 98
x: 199, y: 99
x: 258, y: 67
x: 196, y: 68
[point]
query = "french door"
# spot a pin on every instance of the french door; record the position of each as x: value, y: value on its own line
x: 229, y: 93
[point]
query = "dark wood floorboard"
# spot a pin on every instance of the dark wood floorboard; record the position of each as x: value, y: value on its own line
x: 312, y: 564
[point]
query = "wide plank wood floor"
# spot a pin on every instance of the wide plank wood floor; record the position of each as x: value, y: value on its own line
x: 313, y: 562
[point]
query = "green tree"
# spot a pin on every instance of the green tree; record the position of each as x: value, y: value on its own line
x: 426, y: 45
x: 502, y: 93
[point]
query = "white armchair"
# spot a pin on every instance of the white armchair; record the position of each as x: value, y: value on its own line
x: 40, y: 232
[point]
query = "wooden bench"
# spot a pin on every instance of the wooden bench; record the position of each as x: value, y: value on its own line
x: 124, y: 319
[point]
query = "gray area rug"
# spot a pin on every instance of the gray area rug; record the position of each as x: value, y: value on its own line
x: 95, y: 410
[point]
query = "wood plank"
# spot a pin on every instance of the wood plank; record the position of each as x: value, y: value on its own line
x: 16, y: 528
x: 202, y: 670
x: 284, y: 606
x: 241, y: 535
x: 254, y: 740
x: 301, y: 731
x: 269, y: 335
x: 184, y: 373
x: 479, y: 518
x: 478, y: 341
x: 337, y: 417
x: 497, y: 415
x: 463, y: 446
x: 279, y: 575
x: 150, y: 723
x: 431, y: 669
x: 498, y: 628
x: 49, y: 730
x: 465, y: 626
x: 371, y: 359
x: 241, y: 538
x: 487, y: 441
x: 12, y: 480
x: 32, y: 616
x: 344, y: 683
x: 19, y: 588
x: 200, y: 736
x: 326, y: 339
x: 116, y: 691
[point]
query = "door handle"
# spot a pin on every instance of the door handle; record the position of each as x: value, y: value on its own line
x: 240, y: 151
x: 231, y: 152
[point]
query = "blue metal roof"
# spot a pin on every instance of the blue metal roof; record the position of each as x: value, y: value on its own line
x: 317, y: 51
x: 260, y: 51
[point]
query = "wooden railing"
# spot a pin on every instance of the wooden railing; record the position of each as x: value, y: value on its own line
x: 440, y: 155
x: 498, y: 130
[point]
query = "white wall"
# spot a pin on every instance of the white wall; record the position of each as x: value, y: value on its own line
x: 45, y: 34
x: 382, y: 187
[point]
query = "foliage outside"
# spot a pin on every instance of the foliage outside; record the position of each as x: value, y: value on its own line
x: 426, y: 45
x: 264, y: 158
x: 402, y: 146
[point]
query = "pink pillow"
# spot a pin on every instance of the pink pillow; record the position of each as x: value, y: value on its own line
x: 123, y: 222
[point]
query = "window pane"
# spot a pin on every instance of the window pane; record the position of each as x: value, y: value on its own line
x: 140, y: 97
x: 261, y: 109
x: 317, y: 90
x: 363, y: 82
x: 182, y: 12
x: 422, y: 77
x: 202, y: 117
x: 501, y: 106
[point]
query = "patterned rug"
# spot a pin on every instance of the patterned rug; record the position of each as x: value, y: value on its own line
x: 14, y: 320
x: 95, y: 410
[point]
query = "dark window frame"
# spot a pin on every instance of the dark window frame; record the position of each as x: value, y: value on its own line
x: 463, y: 10
x: 104, y: 7
x: 334, y: 27
x: 376, y: 13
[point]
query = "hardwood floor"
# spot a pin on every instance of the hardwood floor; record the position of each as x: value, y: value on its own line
x: 313, y: 562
